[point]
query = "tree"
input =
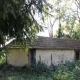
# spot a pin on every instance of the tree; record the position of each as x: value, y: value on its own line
x: 59, y: 11
x: 72, y: 22
x: 77, y: 3
x: 69, y: 21
x: 50, y: 28
x: 17, y: 19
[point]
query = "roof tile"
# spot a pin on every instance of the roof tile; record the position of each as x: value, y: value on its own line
x: 56, y: 43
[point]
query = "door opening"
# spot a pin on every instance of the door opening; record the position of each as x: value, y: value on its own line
x: 33, y: 55
x: 77, y: 55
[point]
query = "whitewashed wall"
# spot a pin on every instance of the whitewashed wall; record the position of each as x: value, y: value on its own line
x: 17, y: 57
x: 57, y: 56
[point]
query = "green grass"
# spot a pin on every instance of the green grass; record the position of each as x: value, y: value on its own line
x: 69, y: 71
x: 21, y: 74
x: 33, y: 72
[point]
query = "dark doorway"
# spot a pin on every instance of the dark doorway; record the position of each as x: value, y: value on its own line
x: 77, y: 55
x: 33, y: 55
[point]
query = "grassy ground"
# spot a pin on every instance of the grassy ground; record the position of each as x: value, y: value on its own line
x: 68, y: 71
x: 14, y: 75
x: 21, y: 74
x: 9, y: 73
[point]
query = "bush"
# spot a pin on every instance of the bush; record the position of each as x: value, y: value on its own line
x: 76, y: 72
x: 39, y: 68
x: 69, y: 71
x: 70, y: 65
x: 63, y: 75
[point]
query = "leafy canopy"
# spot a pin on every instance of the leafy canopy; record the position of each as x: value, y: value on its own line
x: 17, y: 19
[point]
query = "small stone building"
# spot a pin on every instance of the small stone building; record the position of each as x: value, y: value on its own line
x: 47, y: 50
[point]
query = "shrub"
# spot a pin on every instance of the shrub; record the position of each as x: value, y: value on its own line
x: 63, y: 75
x: 76, y: 72
x: 69, y: 71
x: 39, y: 68
x: 70, y: 65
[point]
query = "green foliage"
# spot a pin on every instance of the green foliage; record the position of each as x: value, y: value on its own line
x: 77, y: 31
x: 69, y: 71
x: 17, y: 19
x: 69, y: 19
x: 38, y: 68
x: 32, y: 72
x: 71, y: 30
x: 3, y: 55
x: 63, y: 76
x: 15, y: 78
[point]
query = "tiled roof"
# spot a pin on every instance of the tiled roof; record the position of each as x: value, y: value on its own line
x: 56, y: 43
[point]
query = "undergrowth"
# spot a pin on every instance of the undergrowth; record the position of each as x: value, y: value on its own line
x: 40, y: 71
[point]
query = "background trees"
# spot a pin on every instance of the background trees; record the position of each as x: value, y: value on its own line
x: 69, y: 22
x: 18, y: 18
x: 61, y: 12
